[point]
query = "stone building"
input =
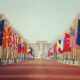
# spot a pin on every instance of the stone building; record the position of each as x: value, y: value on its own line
x: 41, y: 49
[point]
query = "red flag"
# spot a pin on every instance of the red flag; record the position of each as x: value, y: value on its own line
x: 50, y: 52
x: 23, y: 49
x: 67, y: 42
x: 7, y: 36
x: 59, y: 50
x: 19, y: 48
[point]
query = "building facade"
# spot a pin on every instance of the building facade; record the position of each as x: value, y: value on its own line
x: 41, y: 49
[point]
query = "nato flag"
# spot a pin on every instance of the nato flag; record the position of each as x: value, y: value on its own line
x: 78, y: 34
x: 1, y: 30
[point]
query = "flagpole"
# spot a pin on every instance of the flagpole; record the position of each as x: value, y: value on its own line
x: 76, y: 54
x: 73, y: 55
x: 12, y: 54
x: 65, y: 57
x: 1, y: 52
x: 7, y: 53
x: 79, y: 56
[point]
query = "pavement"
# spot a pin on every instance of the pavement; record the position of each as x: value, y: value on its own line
x: 39, y: 70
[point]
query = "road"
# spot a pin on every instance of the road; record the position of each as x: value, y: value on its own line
x: 39, y: 70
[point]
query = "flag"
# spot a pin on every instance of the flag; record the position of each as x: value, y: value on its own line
x: 7, y: 33
x: 29, y: 50
x: 73, y: 41
x: 13, y: 40
x: 75, y: 22
x: 1, y: 30
x: 73, y: 35
x: 23, y: 49
x: 67, y: 47
x: 60, y: 46
x: 78, y: 34
x: 26, y: 47
x: 19, y: 48
x: 18, y: 39
x: 55, y: 48
x: 72, y: 31
x: 50, y: 52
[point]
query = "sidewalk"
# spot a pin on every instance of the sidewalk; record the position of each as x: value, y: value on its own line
x: 70, y: 62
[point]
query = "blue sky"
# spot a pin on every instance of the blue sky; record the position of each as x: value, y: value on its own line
x: 40, y: 20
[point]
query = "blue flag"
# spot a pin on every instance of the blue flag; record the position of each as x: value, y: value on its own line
x: 1, y: 30
x: 78, y: 34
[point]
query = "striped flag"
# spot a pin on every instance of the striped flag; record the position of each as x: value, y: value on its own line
x: 29, y: 50
x: 19, y: 48
x: 73, y: 41
x: 60, y: 46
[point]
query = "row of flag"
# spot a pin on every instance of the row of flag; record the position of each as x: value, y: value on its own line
x: 9, y: 37
x: 70, y: 40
